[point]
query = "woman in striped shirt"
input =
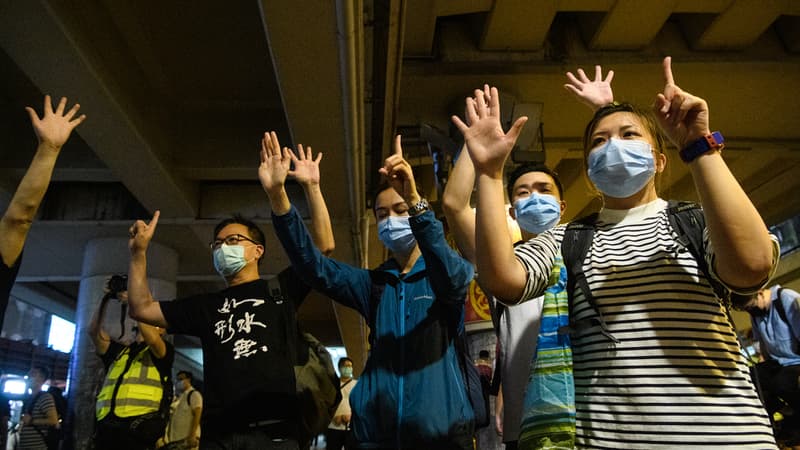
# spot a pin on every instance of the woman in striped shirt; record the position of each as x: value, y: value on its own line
x: 673, y: 376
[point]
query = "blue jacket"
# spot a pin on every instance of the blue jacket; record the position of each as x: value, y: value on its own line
x: 411, y: 393
x: 780, y: 340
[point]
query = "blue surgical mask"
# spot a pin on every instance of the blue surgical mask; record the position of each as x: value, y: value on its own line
x: 347, y: 372
x: 395, y: 233
x: 621, y: 167
x: 229, y: 259
x: 537, y: 213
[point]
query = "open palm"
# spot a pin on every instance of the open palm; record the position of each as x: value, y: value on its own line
x: 306, y: 168
x: 488, y: 145
x: 275, y: 162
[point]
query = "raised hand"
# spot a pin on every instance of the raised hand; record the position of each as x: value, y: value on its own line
x: 682, y: 116
x: 306, y: 168
x: 141, y: 233
x: 487, y: 143
x: 593, y: 93
x: 54, y: 128
x: 398, y: 171
x: 275, y: 162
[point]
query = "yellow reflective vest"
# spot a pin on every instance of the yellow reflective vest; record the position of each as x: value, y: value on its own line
x: 132, y: 386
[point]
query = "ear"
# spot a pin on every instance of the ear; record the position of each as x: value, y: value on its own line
x: 512, y: 212
x: 563, y: 206
x: 661, y: 162
x: 259, y: 251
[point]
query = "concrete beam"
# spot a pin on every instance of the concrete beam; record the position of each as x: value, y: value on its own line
x: 41, y: 44
x: 530, y: 20
x: 736, y: 27
x: 616, y: 31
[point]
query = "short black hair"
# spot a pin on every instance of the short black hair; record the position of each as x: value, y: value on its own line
x: 382, y: 186
x: 186, y: 374
x: 532, y: 167
x: 44, y: 371
x: 255, y: 232
x: 343, y: 360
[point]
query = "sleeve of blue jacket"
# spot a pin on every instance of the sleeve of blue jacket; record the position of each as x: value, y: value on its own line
x: 341, y: 282
x: 448, y: 273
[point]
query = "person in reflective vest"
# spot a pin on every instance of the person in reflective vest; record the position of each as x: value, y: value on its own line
x: 133, y: 402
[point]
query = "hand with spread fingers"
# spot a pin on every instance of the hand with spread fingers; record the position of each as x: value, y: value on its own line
x: 141, y: 233
x: 306, y: 168
x: 593, y: 93
x: 487, y: 143
x: 682, y: 116
x: 275, y: 163
x: 398, y: 171
x: 54, y: 127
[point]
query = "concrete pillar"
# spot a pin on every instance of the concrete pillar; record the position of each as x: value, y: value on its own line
x: 102, y: 258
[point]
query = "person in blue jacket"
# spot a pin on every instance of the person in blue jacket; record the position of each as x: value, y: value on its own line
x: 411, y: 394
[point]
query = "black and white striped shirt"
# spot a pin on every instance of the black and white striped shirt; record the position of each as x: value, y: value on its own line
x: 677, y: 378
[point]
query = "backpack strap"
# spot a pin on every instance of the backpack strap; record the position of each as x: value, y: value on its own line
x: 779, y: 306
x: 575, y: 246
x: 688, y: 221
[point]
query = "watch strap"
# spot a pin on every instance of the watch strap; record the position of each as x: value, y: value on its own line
x: 421, y: 206
x: 713, y: 141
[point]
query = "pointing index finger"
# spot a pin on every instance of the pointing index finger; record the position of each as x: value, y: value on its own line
x: 154, y: 220
x: 668, y: 71
x: 398, y: 148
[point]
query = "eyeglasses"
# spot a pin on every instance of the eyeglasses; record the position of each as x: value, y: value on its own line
x: 232, y: 239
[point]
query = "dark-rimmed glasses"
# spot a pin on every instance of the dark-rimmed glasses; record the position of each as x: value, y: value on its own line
x: 231, y: 239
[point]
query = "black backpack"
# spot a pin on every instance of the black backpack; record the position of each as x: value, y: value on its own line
x: 476, y: 391
x: 686, y: 219
x: 316, y: 381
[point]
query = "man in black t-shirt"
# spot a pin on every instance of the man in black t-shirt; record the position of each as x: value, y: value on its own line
x: 52, y: 129
x: 250, y: 396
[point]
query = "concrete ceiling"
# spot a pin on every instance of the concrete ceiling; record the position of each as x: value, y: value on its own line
x: 178, y: 93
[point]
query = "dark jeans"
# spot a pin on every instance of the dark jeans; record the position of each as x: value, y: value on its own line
x: 254, y: 439
x: 131, y: 433
x: 780, y: 384
x: 335, y: 439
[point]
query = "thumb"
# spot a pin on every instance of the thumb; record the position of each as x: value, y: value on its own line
x: 34, y: 117
x: 516, y: 129
x: 462, y: 127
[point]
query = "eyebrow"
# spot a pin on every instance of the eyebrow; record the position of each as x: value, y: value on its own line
x: 622, y: 128
x: 538, y: 184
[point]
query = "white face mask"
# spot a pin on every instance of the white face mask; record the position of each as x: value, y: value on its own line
x: 621, y: 167
x: 537, y: 212
x: 229, y: 259
x: 395, y: 233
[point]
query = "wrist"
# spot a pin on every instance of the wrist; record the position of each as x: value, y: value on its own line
x: 418, y: 207
x: 277, y: 194
x: 310, y: 187
x: 49, y: 147
x: 709, y: 142
x: 413, y: 199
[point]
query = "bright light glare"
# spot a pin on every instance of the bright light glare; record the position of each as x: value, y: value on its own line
x: 17, y: 387
x: 62, y: 334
